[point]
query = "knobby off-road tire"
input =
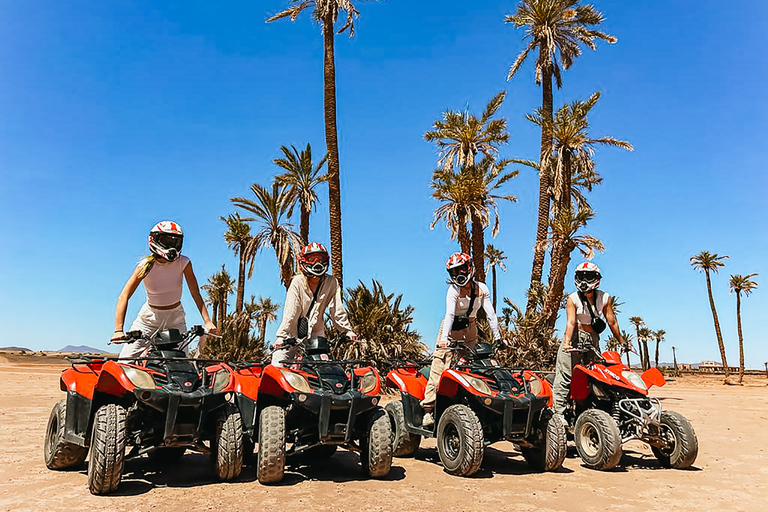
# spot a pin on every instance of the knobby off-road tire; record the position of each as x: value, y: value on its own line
x: 549, y: 456
x: 59, y: 454
x: 105, y: 468
x: 404, y: 444
x: 460, y: 441
x: 683, y: 452
x: 227, y: 443
x: 598, y: 439
x: 271, y: 455
x: 376, y: 445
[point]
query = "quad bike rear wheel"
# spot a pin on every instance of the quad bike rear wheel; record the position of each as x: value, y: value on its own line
x: 682, y: 447
x: 551, y: 454
x: 460, y: 440
x: 58, y: 453
x: 376, y: 445
x: 227, y: 443
x: 404, y: 444
x: 105, y: 468
x: 271, y: 455
x: 598, y: 439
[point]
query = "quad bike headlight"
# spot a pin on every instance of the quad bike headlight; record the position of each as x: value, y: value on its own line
x: 296, y: 381
x: 634, y: 379
x: 220, y: 381
x: 535, y: 385
x: 478, y: 384
x: 139, y: 378
x: 368, y: 382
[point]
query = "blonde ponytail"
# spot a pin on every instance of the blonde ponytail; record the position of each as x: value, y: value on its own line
x: 146, y: 265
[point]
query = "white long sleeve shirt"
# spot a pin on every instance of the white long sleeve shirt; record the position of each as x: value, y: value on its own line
x: 455, y: 305
x: 297, y: 302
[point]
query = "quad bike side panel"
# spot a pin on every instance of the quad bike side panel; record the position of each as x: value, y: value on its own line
x: 610, y: 376
x: 80, y: 379
x: 113, y: 380
x: 409, y: 380
x: 450, y: 382
x: 653, y: 377
x: 545, y: 388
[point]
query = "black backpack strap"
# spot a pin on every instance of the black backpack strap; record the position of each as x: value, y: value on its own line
x: 472, y: 295
x: 314, y: 296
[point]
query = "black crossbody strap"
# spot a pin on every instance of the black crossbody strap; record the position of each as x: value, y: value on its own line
x: 584, y: 298
x: 314, y: 296
x: 471, y: 299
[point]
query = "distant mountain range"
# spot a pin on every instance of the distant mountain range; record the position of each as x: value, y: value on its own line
x: 82, y: 348
x: 15, y: 349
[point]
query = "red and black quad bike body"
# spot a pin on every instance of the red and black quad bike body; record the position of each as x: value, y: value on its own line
x: 478, y: 403
x: 161, y: 404
x: 609, y: 405
x: 317, y: 404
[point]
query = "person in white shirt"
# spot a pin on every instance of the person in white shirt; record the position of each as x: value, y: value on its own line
x: 464, y: 299
x: 161, y: 272
x: 309, y: 294
x: 589, y: 310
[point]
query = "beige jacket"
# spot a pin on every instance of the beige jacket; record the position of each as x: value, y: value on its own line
x: 297, y: 302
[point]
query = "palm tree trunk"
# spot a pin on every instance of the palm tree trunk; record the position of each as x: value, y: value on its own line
x: 241, y: 280
x: 493, y: 279
x: 555, y: 295
x: 286, y: 270
x: 741, y: 338
x: 656, y: 359
x: 332, y: 144
x: 627, y: 352
x: 304, y: 227
x: 215, y: 310
x: 478, y: 247
x: 544, y: 182
x: 465, y: 241
x: 222, y: 311
x: 719, y: 335
x: 646, y: 357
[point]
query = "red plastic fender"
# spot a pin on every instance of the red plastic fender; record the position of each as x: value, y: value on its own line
x: 450, y: 381
x: 653, y: 377
x: 274, y: 383
x: 612, y: 357
x: 408, y: 380
x: 248, y: 381
x: 546, y: 387
x: 359, y: 372
x: 113, y: 381
x: 79, y: 379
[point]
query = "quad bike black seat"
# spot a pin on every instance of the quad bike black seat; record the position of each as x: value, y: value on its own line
x: 483, y: 350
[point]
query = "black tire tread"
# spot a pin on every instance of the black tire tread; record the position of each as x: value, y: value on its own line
x: 469, y: 428
x: 271, y: 454
x: 105, y: 468
x: 551, y: 455
x: 404, y: 444
x: 228, y: 453
x: 57, y: 453
x: 610, y: 451
x: 376, y: 455
x: 686, y: 445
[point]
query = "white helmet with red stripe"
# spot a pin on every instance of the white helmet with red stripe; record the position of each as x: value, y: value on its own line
x: 459, y: 267
x: 587, y: 276
x: 166, y: 239
x: 313, y: 259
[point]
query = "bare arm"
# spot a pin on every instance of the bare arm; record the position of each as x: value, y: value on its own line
x: 122, y: 302
x: 570, y: 326
x: 194, y: 290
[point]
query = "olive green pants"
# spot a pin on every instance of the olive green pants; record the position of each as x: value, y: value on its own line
x: 442, y: 357
x: 564, y: 364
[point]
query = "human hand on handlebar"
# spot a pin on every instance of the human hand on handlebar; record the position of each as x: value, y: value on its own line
x: 210, y: 328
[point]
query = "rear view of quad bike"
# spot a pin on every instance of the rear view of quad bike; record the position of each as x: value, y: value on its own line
x: 478, y: 403
x: 161, y: 404
x: 317, y: 404
x: 609, y: 405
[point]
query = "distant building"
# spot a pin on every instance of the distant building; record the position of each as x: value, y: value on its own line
x: 714, y: 367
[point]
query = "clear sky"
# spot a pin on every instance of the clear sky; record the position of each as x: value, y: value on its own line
x: 115, y: 115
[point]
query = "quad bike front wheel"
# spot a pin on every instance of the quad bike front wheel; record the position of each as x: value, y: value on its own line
x: 598, y: 439
x: 58, y: 453
x: 227, y: 450
x: 105, y: 468
x: 682, y: 446
x: 376, y: 445
x: 549, y: 456
x: 460, y: 440
x: 271, y: 455
x: 404, y: 444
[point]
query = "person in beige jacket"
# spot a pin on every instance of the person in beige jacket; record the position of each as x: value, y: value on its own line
x: 312, y: 282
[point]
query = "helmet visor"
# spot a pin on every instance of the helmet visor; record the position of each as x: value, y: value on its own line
x: 168, y: 241
x: 461, y: 274
x: 588, y: 276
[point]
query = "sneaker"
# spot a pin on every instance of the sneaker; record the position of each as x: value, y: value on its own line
x: 428, y: 420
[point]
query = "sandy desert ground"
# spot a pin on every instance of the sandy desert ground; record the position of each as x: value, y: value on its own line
x: 731, y: 472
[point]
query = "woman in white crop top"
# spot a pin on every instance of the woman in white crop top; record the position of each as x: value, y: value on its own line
x: 459, y: 323
x: 582, y: 306
x: 162, y: 273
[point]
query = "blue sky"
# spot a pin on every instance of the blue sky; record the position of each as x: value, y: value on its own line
x: 115, y: 115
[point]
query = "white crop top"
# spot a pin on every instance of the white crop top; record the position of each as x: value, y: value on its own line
x: 582, y: 312
x: 163, y: 283
x: 455, y: 305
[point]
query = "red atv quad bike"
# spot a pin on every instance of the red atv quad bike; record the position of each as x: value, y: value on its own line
x: 478, y: 403
x: 161, y: 404
x: 317, y: 404
x: 609, y: 405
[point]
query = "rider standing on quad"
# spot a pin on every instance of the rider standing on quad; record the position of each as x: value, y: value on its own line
x: 588, y: 310
x: 161, y: 273
x: 312, y: 285
x: 464, y: 299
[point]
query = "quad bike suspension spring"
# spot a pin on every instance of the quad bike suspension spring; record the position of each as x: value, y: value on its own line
x: 616, y: 413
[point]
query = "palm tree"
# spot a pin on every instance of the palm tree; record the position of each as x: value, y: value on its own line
x: 506, y: 315
x: 219, y: 286
x: 564, y: 229
x: 264, y: 311
x: 569, y: 160
x: 302, y: 176
x: 327, y: 12
x: 739, y: 284
x: 453, y: 191
x: 643, y: 335
x: 495, y: 258
x: 239, y: 239
x: 659, y: 336
x: 269, y: 209
x: 711, y: 262
x: 638, y: 323
x: 556, y: 29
